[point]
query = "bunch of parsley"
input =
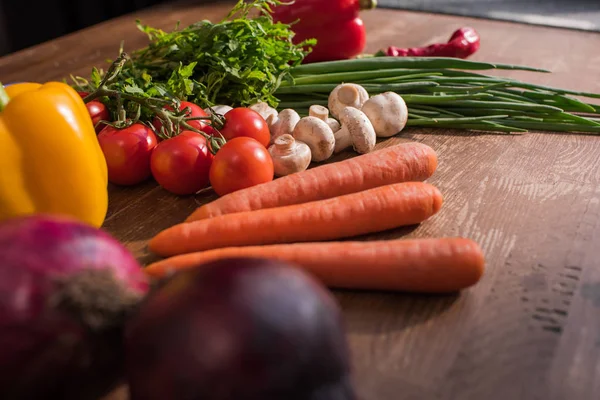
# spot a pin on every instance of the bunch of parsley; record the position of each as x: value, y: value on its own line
x: 237, y: 61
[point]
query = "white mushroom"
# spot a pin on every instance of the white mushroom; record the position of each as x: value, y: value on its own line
x: 265, y: 110
x: 317, y: 135
x: 346, y: 95
x: 218, y: 109
x: 289, y: 155
x: 283, y: 124
x: 357, y: 131
x: 387, y: 112
x: 323, y: 114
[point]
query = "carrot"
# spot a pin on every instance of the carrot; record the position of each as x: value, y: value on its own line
x: 417, y: 265
x: 400, y: 163
x: 369, y: 211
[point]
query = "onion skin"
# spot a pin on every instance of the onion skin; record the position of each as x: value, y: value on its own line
x: 238, y: 329
x: 66, y: 289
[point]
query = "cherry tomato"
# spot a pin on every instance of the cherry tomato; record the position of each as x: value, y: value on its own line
x: 98, y: 112
x: 127, y: 152
x: 181, y: 164
x: 242, y: 121
x: 241, y: 162
x: 196, y: 111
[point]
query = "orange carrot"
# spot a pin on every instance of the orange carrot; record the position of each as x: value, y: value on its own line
x: 373, y: 210
x: 415, y: 265
x: 400, y: 163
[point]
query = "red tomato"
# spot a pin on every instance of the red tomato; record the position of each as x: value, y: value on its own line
x: 127, y: 152
x: 242, y: 121
x: 241, y: 162
x: 181, y: 164
x: 196, y: 111
x: 98, y: 112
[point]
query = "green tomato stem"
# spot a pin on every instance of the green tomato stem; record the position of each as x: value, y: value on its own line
x: 4, y: 99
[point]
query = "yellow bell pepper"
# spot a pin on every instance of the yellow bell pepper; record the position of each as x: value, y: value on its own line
x: 50, y: 159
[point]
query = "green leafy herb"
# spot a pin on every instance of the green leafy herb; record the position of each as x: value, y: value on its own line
x: 237, y: 61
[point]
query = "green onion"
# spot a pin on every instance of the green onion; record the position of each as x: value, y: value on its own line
x: 362, y: 64
x: 456, y: 120
x: 551, y: 126
x: 354, y: 77
x: 444, y: 92
x: 371, y: 88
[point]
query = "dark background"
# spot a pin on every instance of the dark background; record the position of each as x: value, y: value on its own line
x: 24, y: 23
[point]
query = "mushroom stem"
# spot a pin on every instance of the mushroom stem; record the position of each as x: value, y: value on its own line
x: 284, y: 144
x: 289, y: 155
x: 342, y: 140
x: 322, y: 113
x: 348, y: 94
x: 319, y: 111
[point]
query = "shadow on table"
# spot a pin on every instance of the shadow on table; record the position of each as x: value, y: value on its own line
x: 380, y: 312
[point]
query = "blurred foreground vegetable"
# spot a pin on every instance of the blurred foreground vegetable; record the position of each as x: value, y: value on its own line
x: 65, y: 291
x: 445, y: 93
x: 50, y: 160
x: 238, y: 329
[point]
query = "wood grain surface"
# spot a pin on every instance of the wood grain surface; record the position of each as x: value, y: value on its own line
x: 531, y: 328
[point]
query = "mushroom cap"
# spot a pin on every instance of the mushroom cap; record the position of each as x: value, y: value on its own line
x: 346, y: 95
x: 359, y: 128
x: 283, y: 124
x: 317, y: 135
x: 387, y: 112
x: 264, y: 109
x: 333, y: 124
x: 218, y: 109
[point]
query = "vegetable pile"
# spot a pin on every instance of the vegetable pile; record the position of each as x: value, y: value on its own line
x: 78, y: 317
x: 446, y: 92
x: 176, y: 109
x: 303, y: 218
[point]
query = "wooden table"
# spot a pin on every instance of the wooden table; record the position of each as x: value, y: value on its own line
x: 531, y: 328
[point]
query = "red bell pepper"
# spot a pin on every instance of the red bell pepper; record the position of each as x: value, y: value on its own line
x: 336, y: 24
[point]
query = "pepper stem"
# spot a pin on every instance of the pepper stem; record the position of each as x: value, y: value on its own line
x: 367, y: 4
x: 4, y: 99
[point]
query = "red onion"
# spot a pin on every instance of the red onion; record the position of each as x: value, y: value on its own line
x: 238, y: 329
x: 65, y: 291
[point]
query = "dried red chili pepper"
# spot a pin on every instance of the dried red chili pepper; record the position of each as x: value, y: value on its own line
x: 462, y: 43
x: 336, y: 24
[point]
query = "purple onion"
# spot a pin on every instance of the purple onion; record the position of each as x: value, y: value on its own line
x: 238, y: 329
x: 66, y: 289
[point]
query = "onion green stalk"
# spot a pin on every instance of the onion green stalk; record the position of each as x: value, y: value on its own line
x: 446, y: 93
